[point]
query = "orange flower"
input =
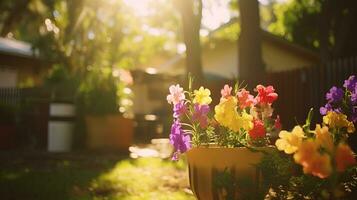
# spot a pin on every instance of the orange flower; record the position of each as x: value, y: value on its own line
x: 319, y: 166
x: 312, y: 161
x: 344, y: 157
x: 306, y: 152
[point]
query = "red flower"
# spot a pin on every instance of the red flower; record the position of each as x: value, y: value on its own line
x: 266, y: 95
x: 258, y: 130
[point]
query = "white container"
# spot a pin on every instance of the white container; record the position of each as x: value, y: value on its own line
x: 62, y: 110
x: 60, y: 127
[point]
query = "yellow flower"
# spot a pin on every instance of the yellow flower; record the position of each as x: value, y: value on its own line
x: 225, y: 111
x: 247, y: 121
x: 202, y: 96
x: 226, y: 114
x: 312, y: 161
x: 243, y: 121
x: 350, y: 127
x: 338, y: 120
x: 289, y: 142
x: 324, y: 138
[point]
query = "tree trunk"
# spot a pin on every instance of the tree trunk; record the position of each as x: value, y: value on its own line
x: 324, y: 33
x: 191, y: 13
x: 250, y: 41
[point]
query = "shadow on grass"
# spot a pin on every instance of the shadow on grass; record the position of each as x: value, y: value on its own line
x: 93, y: 177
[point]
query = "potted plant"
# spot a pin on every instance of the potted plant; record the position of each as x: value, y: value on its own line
x: 223, y: 148
x: 61, y: 86
x: 99, y: 97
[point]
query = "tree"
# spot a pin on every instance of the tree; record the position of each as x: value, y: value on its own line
x: 81, y: 34
x: 191, y: 14
x: 249, y: 43
x: 328, y: 26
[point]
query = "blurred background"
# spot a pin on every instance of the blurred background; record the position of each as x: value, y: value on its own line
x: 96, y: 68
x: 83, y: 76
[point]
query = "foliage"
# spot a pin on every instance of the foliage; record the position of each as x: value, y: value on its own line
x: 296, y: 14
x: 229, y: 32
x: 61, y: 84
x: 328, y: 26
x: 286, y: 180
x: 98, y: 93
x: 85, y: 33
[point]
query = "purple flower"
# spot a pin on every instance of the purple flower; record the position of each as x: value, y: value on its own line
x: 351, y: 83
x: 328, y: 107
x: 179, y: 139
x: 354, y: 115
x: 180, y: 109
x: 334, y: 95
x: 354, y: 97
x: 325, y: 109
x: 200, y: 114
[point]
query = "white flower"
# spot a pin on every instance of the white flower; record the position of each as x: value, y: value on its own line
x: 176, y: 94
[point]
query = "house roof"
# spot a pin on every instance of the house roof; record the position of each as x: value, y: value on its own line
x: 16, y: 48
x: 167, y: 66
x: 268, y: 36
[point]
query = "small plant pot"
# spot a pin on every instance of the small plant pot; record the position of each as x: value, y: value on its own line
x: 224, y: 173
x: 109, y: 132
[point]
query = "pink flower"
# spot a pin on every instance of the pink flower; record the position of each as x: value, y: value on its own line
x: 176, y: 94
x: 245, y: 99
x: 258, y: 130
x: 226, y: 91
x: 266, y: 95
x: 200, y: 114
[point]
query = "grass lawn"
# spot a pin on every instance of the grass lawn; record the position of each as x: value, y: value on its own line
x: 93, y: 177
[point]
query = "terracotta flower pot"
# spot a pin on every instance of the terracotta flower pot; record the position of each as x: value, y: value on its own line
x: 96, y: 131
x: 109, y: 132
x: 210, y: 167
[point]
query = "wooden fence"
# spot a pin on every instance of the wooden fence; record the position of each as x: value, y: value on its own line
x: 10, y: 96
x: 31, y: 109
x: 301, y: 89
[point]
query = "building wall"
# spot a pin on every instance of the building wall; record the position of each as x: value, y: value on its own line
x: 20, y: 76
x: 8, y: 78
x: 278, y: 58
x: 222, y: 58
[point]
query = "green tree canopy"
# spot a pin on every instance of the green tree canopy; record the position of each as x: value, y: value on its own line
x: 329, y: 26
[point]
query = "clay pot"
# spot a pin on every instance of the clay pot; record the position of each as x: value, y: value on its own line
x: 111, y: 132
x: 209, y: 166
